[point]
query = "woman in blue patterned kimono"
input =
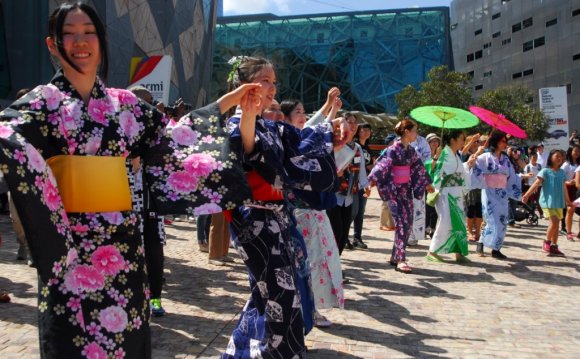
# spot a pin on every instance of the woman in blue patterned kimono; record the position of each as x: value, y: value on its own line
x: 87, y: 246
x: 400, y: 176
x: 495, y: 175
x: 277, y: 157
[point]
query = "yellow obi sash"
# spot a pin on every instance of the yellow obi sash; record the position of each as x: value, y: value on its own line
x: 92, y: 183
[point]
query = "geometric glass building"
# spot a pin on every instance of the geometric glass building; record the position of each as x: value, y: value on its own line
x: 369, y: 55
x: 183, y: 29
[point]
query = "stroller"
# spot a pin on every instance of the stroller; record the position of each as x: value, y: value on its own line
x: 522, y: 211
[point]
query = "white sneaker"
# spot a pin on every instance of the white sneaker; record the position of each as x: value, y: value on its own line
x: 412, y: 242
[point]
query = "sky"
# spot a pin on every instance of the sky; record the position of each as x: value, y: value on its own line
x: 300, y: 7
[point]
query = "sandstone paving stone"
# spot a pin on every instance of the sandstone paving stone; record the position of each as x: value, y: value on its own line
x: 525, y: 307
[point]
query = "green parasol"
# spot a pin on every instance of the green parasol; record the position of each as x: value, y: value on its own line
x: 444, y: 117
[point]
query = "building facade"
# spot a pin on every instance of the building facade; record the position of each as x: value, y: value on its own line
x: 369, y: 55
x: 528, y: 42
x: 183, y: 29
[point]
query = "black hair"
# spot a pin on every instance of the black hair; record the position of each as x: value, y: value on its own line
x: 569, y: 155
x: 287, y: 106
x: 495, y: 137
x: 452, y: 135
x: 246, y: 70
x: 552, y: 152
x: 56, y: 22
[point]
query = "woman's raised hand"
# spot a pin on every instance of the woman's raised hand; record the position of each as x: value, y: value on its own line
x: 234, y: 98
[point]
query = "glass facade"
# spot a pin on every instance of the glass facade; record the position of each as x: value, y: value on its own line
x: 369, y: 55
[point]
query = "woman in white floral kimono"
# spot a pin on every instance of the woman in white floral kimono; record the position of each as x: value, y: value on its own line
x: 82, y: 227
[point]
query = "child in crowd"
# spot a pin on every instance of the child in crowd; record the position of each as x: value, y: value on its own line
x: 553, y: 198
x: 534, y: 168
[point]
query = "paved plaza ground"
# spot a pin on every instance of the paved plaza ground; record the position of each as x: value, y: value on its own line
x: 525, y: 307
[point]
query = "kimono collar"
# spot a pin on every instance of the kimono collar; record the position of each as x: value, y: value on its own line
x: 60, y: 81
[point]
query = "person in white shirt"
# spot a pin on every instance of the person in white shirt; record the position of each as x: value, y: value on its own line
x: 534, y: 168
x: 542, y: 156
x: 570, y: 166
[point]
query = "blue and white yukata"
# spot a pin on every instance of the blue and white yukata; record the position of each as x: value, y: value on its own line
x: 499, y: 182
x: 271, y: 324
x: 424, y: 152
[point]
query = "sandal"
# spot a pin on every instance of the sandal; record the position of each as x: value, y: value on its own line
x: 434, y: 258
x: 320, y: 321
x: 403, y: 267
x: 570, y: 237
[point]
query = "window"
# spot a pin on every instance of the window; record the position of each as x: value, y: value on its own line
x: 477, y: 32
x: 478, y: 54
x: 516, y: 75
x: 540, y: 41
x: 517, y: 27
x: 551, y: 22
x: 528, y: 22
x: 530, y: 99
x: 471, y: 74
x: 496, y: 34
x: 528, y: 72
x: 568, y: 88
x: 496, y: 15
x: 506, y: 41
x: 487, y: 45
x: 528, y: 45
x: 487, y: 74
x: 576, y: 12
x: 576, y: 57
x: 478, y: 87
x: 454, y: 26
x: 503, y: 2
x: 470, y: 58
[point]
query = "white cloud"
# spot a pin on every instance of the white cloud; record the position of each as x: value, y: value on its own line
x: 237, y: 7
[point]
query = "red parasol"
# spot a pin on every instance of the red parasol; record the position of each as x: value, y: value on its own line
x: 498, y: 121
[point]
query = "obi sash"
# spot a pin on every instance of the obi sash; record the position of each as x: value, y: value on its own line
x: 495, y: 180
x: 262, y: 190
x: 401, y: 174
x: 92, y: 183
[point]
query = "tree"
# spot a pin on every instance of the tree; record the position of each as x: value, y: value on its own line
x: 443, y: 88
x: 512, y: 102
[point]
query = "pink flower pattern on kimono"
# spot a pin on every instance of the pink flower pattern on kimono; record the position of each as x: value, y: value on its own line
x: 35, y: 160
x: 113, y: 319
x: 129, y: 124
x: 84, y: 278
x: 53, y: 96
x: 199, y: 164
x: 209, y: 208
x: 184, y: 135
x: 182, y: 182
x: 50, y: 194
x: 94, y: 351
x: 108, y: 260
x: 99, y: 109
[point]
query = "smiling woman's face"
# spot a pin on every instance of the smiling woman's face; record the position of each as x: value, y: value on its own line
x: 267, y: 78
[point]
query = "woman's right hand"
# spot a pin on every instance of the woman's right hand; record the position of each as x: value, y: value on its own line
x: 234, y: 98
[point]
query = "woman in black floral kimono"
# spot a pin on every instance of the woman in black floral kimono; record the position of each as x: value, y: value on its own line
x: 63, y: 150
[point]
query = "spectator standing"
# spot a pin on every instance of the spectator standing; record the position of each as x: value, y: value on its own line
x: 569, y: 167
x: 430, y: 212
x: 387, y: 221
x: 423, y: 149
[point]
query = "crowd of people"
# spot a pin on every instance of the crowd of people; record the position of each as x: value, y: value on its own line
x: 284, y: 192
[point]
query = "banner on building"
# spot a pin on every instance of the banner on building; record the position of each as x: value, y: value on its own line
x: 554, y: 104
x: 153, y: 73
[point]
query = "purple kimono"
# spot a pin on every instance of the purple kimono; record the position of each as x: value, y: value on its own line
x: 399, y: 174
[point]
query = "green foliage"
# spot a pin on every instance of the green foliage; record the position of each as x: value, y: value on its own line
x: 511, y: 101
x: 443, y: 88
x: 451, y: 88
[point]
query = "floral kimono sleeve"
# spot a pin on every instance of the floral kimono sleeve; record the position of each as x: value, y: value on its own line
x: 287, y: 157
x: 476, y: 173
x: 382, y: 175
x: 195, y: 168
x: 34, y: 191
x: 514, y: 183
x: 419, y: 177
